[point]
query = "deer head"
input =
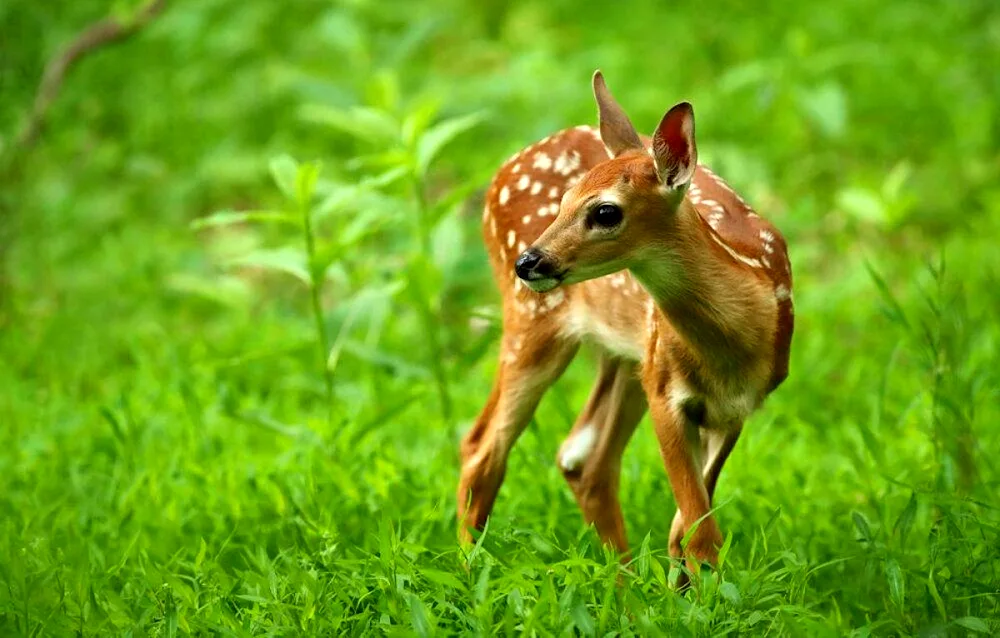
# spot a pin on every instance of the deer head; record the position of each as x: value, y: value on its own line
x: 624, y: 211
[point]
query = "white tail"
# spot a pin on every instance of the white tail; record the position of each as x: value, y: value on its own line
x: 604, y: 235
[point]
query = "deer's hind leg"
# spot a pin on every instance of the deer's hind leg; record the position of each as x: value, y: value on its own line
x: 590, y: 457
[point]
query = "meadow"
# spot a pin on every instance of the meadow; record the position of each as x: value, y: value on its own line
x: 246, y: 316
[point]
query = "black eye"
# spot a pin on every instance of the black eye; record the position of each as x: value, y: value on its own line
x: 606, y: 216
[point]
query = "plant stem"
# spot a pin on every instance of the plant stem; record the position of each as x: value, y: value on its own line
x: 315, y: 281
x: 424, y: 306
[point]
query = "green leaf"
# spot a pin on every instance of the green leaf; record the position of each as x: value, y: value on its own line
x: 582, y: 618
x: 442, y: 578
x: 972, y: 623
x: 897, y: 584
x: 305, y: 184
x: 933, y: 590
x: 447, y: 243
x: 642, y: 559
x: 230, y: 217
x: 433, y: 141
x: 862, y: 524
x: 225, y: 290
x: 905, y: 520
x: 826, y: 106
x: 418, y: 615
x: 731, y: 593
x: 288, y: 260
x: 724, y: 550
x: 372, y: 126
x: 285, y: 172
x: 863, y: 205
x: 895, y: 309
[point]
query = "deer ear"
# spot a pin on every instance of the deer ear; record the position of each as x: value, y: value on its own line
x: 674, y: 149
x: 617, y: 131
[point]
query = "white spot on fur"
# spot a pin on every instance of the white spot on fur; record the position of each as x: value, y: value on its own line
x: 523, y: 182
x: 555, y: 298
x: 567, y: 162
x: 749, y: 261
x: 782, y: 293
x: 577, y: 448
x: 493, y: 226
x: 536, y: 188
x: 543, y: 211
x: 517, y: 168
x: 511, y: 238
x: 504, y: 195
x: 521, y: 247
x: 553, y: 209
x: 542, y: 161
x: 767, y: 236
x: 526, y: 219
x: 553, y: 192
x: 486, y: 212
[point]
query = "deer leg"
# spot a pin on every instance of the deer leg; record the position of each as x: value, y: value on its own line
x: 680, y: 447
x: 528, y: 366
x: 716, y: 444
x: 590, y: 457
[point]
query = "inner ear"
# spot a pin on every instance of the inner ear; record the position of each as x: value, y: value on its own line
x: 617, y: 131
x: 674, y: 148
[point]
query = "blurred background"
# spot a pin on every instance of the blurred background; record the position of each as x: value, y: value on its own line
x: 246, y: 314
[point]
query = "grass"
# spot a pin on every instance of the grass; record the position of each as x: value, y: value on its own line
x: 246, y: 423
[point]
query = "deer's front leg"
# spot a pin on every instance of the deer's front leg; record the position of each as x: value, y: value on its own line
x: 680, y: 447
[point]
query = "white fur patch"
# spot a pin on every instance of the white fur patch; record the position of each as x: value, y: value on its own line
x: 580, y: 323
x: 542, y: 161
x: 679, y: 393
x: 577, y: 448
x: 504, y: 195
x: 749, y: 261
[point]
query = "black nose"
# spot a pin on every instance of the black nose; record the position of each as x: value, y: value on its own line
x: 533, y: 264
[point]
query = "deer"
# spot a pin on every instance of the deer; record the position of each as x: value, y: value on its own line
x: 628, y: 242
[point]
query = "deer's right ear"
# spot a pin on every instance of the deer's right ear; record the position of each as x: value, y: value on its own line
x: 617, y: 131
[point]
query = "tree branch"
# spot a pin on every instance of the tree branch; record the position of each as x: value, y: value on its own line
x: 99, y: 34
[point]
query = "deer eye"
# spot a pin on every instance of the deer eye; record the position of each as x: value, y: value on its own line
x: 606, y: 216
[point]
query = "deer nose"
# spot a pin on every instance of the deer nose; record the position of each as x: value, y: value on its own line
x: 534, y: 264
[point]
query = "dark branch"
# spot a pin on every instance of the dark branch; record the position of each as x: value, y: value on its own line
x: 99, y: 34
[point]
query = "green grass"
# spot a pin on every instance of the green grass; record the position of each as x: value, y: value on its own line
x: 221, y: 427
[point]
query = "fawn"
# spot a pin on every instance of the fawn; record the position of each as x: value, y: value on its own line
x: 629, y: 242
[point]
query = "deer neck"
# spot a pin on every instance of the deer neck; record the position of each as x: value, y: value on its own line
x: 712, y: 305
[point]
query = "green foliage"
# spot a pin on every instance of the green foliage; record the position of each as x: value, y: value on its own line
x: 246, y: 316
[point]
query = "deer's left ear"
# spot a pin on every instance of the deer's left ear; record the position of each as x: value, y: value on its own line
x: 617, y: 131
x: 674, y: 149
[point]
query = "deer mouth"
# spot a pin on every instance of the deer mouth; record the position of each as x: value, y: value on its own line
x: 545, y: 283
x: 542, y: 285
